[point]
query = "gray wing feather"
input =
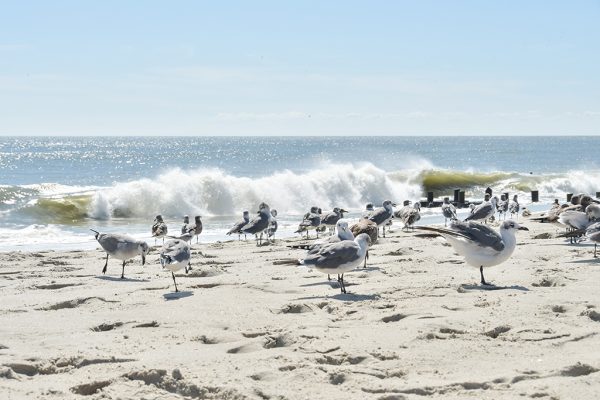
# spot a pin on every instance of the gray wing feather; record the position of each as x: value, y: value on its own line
x: 334, y: 255
x: 480, y: 212
x: 380, y: 215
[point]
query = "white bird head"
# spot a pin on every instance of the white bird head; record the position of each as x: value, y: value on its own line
x: 342, y: 225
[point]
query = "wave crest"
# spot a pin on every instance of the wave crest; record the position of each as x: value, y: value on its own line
x: 213, y: 192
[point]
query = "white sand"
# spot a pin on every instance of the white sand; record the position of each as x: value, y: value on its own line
x: 414, y: 324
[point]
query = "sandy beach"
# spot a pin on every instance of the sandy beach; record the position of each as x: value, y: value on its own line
x: 414, y: 324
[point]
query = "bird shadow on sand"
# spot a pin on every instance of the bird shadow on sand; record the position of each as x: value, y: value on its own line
x: 333, y: 283
x: 119, y: 279
x: 177, y: 295
x: 344, y: 297
x: 586, y: 261
x: 492, y: 287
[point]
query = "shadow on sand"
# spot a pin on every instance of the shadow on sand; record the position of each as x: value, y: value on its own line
x: 177, y: 295
x: 118, y: 279
x: 492, y: 287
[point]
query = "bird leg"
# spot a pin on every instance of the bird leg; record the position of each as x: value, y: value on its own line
x: 328, y: 277
x: 595, y: 250
x: 105, y: 265
x: 123, y: 271
x: 307, y: 233
x: 173, y: 275
x: 341, y: 281
x: 366, y: 257
x: 483, y: 282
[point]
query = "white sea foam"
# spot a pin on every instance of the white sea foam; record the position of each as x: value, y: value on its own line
x: 213, y: 192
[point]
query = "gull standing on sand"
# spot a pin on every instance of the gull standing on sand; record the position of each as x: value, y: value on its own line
x: 484, y: 211
x: 159, y: 229
x: 406, y: 207
x: 339, y: 258
x: 413, y: 215
x: 186, y: 224
x: 175, y: 255
x: 270, y: 231
x: 239, y: 225
x: 311, y: 220
x: 342, y: 233
x: 383, y: 215
x: 514, y: 206
x: 502, y: 207
x: 368, y: 211
x: 330, y: 219
x: 591, y: 233
x: 480, y: 245
x: 449, y: 211
x: 258, y: 224
x: 121, y: 247
x: 196, y: 228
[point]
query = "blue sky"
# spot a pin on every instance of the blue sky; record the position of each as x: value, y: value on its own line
x: 299, y: 68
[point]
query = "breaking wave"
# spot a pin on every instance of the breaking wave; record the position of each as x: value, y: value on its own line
x: 213, y: 192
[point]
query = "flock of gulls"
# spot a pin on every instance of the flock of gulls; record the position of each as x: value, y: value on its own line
x: 346, y: 247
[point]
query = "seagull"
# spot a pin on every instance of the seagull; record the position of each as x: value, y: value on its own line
x: 502, y: 207
x: 270, y: 231
x: 382, y: 215
x: 593, y: 211
x: 195, y: 228
x: 121, y: 247
x: 591, y: 232
x: 159, y: 229
x: 311, y: 220
x: 342, y: 233
x: 186, y: 224
x: 449, y: 211
x: 514, y: 206
x: 574, y: 221
x: 406, y: 207
x: 480, y: 245
x: 174, y: 256
x: 258, y: 224
x: 368, y: 211
x: 330, y: 219
x: 483, y: 211
x: 339, y: 258
x: 412, y: 216
x: 238, y: 225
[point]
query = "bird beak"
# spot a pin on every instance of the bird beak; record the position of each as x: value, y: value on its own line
x: 523, y: 228
x: 344, y: 211
x: 394, y: 204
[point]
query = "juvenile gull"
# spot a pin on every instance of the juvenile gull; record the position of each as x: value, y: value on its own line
x: 449, y: 211
x: 159, y: 229
x: 121, y: 247
x: 239, y: 225
x: 480, y: 245
x: 258, y: 224
x: 339, y: 258
x: 484, y: 211
x: 406, y: 207
x: 383, y: 215
x: 175, y: 255
x: 413, y: 215
x: 311, y: 220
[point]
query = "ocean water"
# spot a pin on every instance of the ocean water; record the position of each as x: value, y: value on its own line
x: 52, y: 190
